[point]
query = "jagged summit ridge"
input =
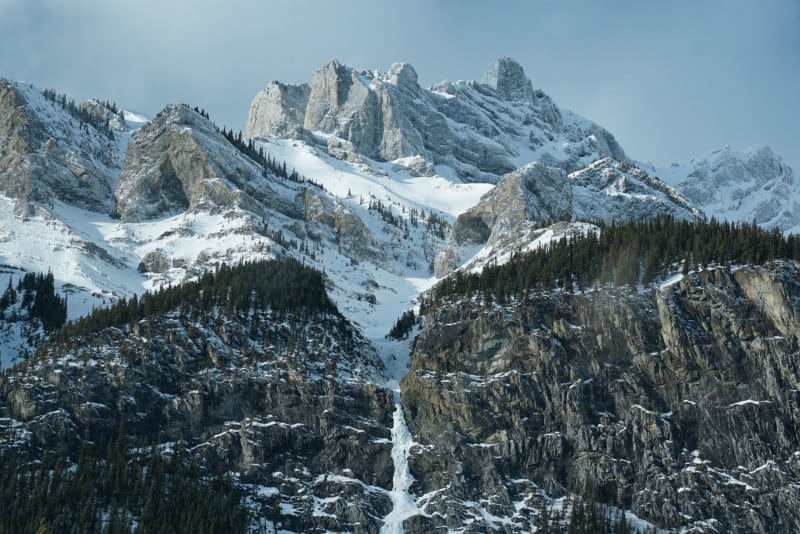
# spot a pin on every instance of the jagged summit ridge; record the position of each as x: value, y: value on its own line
x: 482, y: 130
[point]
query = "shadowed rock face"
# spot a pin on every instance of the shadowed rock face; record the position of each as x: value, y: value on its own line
x: 678, y: 403
x: 242, y: 391
x: 47, y: 155
x: 479, y: 129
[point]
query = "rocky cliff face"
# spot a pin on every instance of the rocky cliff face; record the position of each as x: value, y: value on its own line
x: 279, y: 109
x: 508, y: 80
x: 482, y: 130
x: 48, y: 155
x: 179, y: 162
x: 536, y: 192
x: 677, y: 403
x: 288, y: 404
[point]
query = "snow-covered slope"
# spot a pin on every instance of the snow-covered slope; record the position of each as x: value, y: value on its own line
x: 389, y: 183
x: 753, y: 184
x: 380, y: 223
x: 50, y: 149
x: 480, y: 131
x: 613, y: 190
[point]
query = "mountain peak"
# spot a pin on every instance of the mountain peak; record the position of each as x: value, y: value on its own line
x: 402, y: 74
x: 508, y: 79
x: 334, y: 67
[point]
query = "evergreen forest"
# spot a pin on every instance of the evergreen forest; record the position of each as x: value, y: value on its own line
x: 633, y: 253
x: 279, y: 285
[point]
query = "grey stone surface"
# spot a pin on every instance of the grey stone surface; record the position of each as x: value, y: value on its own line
x: 279, y: 108
x: 481, y: 130
x: 179, y: 162
x: 678, y: 403
x: 508, y: 80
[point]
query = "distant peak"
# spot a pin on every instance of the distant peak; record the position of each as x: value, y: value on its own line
x: 743, y: 154
x: 508, y: 79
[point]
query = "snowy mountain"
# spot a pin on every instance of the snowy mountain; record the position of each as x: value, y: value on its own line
x: 754, y: 184
x: 186, y: 199
x: 486, y: 413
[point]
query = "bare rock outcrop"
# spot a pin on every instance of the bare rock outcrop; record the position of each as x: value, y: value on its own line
x: 480, y: 129
x: 677, y: 403
x: 179, y: 161
x: 536, y: 192
x: 279, y: 109
x: 168, y: 170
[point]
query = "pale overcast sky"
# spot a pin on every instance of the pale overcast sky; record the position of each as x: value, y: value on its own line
x: 670, y: 79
